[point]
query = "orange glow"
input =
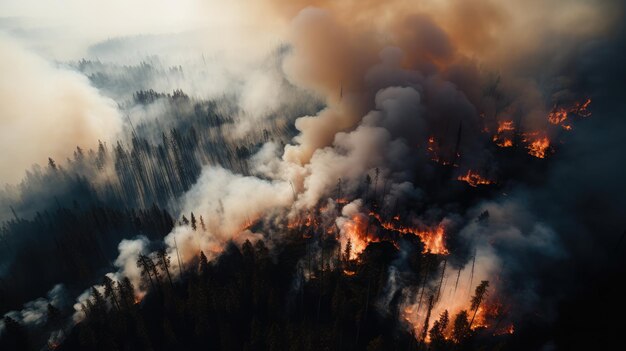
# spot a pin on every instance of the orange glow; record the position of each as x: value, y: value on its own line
x: 581, y: 109
x: 349, y: 273
x: 474, y: 179
x: 510, y: 329
x: 539, y: 147
x: 433, y: 149
x: 559, y: 115
x: 360, y: 235
x: 505, y: 126
x: 505, y: 143
x: 357, y: 231
x: 502, y: 138
x: 308, y: 220
x: 433, y: 239
x: 247, y: 224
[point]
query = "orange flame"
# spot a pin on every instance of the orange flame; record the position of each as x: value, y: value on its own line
x: 502, y: 136
x: 357, y: 231
x: 505, y: 126
x: 559, y: 115
x: 510, y: 329
x: 433, y: 239
x: 474, y: 179
x: 538, y: 148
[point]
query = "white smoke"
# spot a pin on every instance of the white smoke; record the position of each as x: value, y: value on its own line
x: 35, y: 312
x: 46, y: 111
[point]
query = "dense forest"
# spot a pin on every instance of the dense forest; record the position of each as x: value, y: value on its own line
x: 247, y: 300
x: 312, y: 175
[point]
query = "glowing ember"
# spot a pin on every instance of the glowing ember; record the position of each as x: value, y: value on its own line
x: 506, y: 330
x: 581, y: 109
x: 433, y: 149
x: 474, y: 179
x: 539, y: 147
x: 348, y: 272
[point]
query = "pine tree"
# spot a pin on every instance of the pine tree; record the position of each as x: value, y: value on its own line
x: 193, y: 222
x: 164, y: 262
x: 461, y: 327
x: 202, y: 224
x: 479, y: 296
x: 437, y: 333
x: 109, y: 290
x: 427, y: 319
x: 145, y: 264
x: 348, y: 251
x: 204, y: 265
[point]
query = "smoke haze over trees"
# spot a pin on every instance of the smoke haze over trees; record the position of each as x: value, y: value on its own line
x: 283, y: 175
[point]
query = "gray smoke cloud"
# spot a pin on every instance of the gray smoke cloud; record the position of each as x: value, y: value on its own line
x: 392, y: 83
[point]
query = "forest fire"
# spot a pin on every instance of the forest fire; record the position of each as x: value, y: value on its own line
x: 559, y: 115
x: 356, y: 231
x: 474, y: 179
x: 433, y: 239
x: 510, y: 329
x: 505, y: 126
x: 360, y: 232
x: 349, y: 175
x: 502, y: 138
x: 538, y: 148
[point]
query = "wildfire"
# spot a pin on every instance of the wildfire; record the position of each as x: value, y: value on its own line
x: 433, y: 149
x: 309, y: 220
x: 559, y: 115
x: 538, y: 148
x: 504, y: 142
x: 474, y: 179
x: 357, y: 231
x: 505, y: 126
x: 433, y: 239
x: 506, y: 330
x: 502, y: 136
x: 360, y: 234
x: 342, y: 201
x: 247, y: 224
x: 581, y: 109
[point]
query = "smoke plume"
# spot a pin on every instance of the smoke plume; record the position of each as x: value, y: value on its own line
x: 46, y: 112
